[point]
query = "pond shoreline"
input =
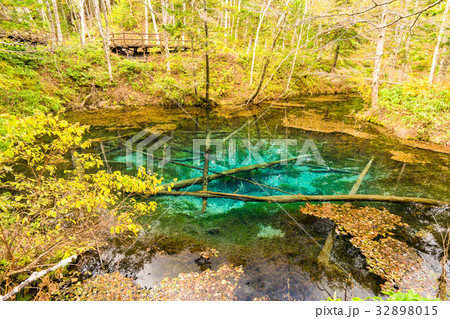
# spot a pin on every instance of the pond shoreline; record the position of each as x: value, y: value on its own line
x: 317, y: 124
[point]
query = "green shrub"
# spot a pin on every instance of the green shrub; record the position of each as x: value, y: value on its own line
x: 393, y: 296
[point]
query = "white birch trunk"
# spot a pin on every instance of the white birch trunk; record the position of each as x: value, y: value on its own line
x: 108, y: 5
x: 59, y: 37
x: 165, y: 19
x: 438, y: 44
x: 82, y: 22
x: 261, y: 18
x: 36, y: 275
x: 152, y: 13
x: 42, y: 12
x: 184, y: 23
x: 305, y: 12
x: 50, y: 22
x: 237, y: 21
x: 103, y: 36
x: 226, y: 19
x: 443, y: 66
x: 379, y: 58
x: 146, y: 21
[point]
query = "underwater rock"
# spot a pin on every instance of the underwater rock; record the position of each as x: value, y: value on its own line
x: 213, y: 231
x: 323, y: 226
x: 270, y: 232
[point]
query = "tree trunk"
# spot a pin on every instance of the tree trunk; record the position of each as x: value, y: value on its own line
x: 438, y: 44
x: 206, y: 53
x: 36, y: 275
x: 184, y: 24
x: 146, y: 21
x: 399, y: 35
x: 237, y: 22
x: 226, y: 20
x: 82, y: 22
x: 108, y: 5
x: 152, y: 13
x: 42, y: 12
x: 104, y: 35
x: 336, y: 56
x: 165, y: 21
x: 50, y: 19
x: 279, y: 29
x: 59, y: 37
x: 406, y: 60
x: 305, y: 12
x: 284, y: 199
x: 295, y: 58
x: 247, y: 168
x: 261, y: 18
x: 379, y: 57
x: 443, y: 67
x: 325, y: 253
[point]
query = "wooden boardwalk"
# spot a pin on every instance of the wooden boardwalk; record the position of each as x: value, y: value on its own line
x: 131, y: 42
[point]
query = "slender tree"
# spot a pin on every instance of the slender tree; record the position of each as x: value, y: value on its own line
x: 305, y: 12
x: 82, y: 21
x: 438, y: 43
x: 255, y: 45
x: 59, y: 37
x: 445, y: 61
x: 165, y: 21
x: 379, y: 56
x: 279, y: 28
x: 206, y: 51
x: 104, y: 34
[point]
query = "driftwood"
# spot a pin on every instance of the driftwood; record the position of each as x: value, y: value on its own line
x: 36, y: 275
x: 283, y: 199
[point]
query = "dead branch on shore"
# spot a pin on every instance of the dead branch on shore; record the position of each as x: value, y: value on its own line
x: 36, y: 275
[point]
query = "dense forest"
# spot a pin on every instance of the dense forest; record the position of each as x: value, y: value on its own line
x: 79, y: 78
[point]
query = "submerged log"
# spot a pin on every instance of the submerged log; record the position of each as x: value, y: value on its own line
x: 199, y: 180
x: 325, y: 253
x: 361, y: 176
x: 236, y: 131
x: 283, y: 199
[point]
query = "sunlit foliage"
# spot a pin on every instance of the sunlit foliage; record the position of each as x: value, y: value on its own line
x: 46, y: 216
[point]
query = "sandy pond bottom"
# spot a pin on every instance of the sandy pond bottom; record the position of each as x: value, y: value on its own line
x: 276, y: 245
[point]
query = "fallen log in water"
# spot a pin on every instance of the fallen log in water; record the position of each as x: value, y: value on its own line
x: 199, y: 180
x: 283, y: 199
x: 361, y: 176
x: 325, y: 253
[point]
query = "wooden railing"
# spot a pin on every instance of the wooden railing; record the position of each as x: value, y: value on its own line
x: 144, y: 40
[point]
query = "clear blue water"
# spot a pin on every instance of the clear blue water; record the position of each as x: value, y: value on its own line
x: 276, y: 245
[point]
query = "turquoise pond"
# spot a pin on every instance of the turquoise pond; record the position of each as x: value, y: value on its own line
x: 276, y: 244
